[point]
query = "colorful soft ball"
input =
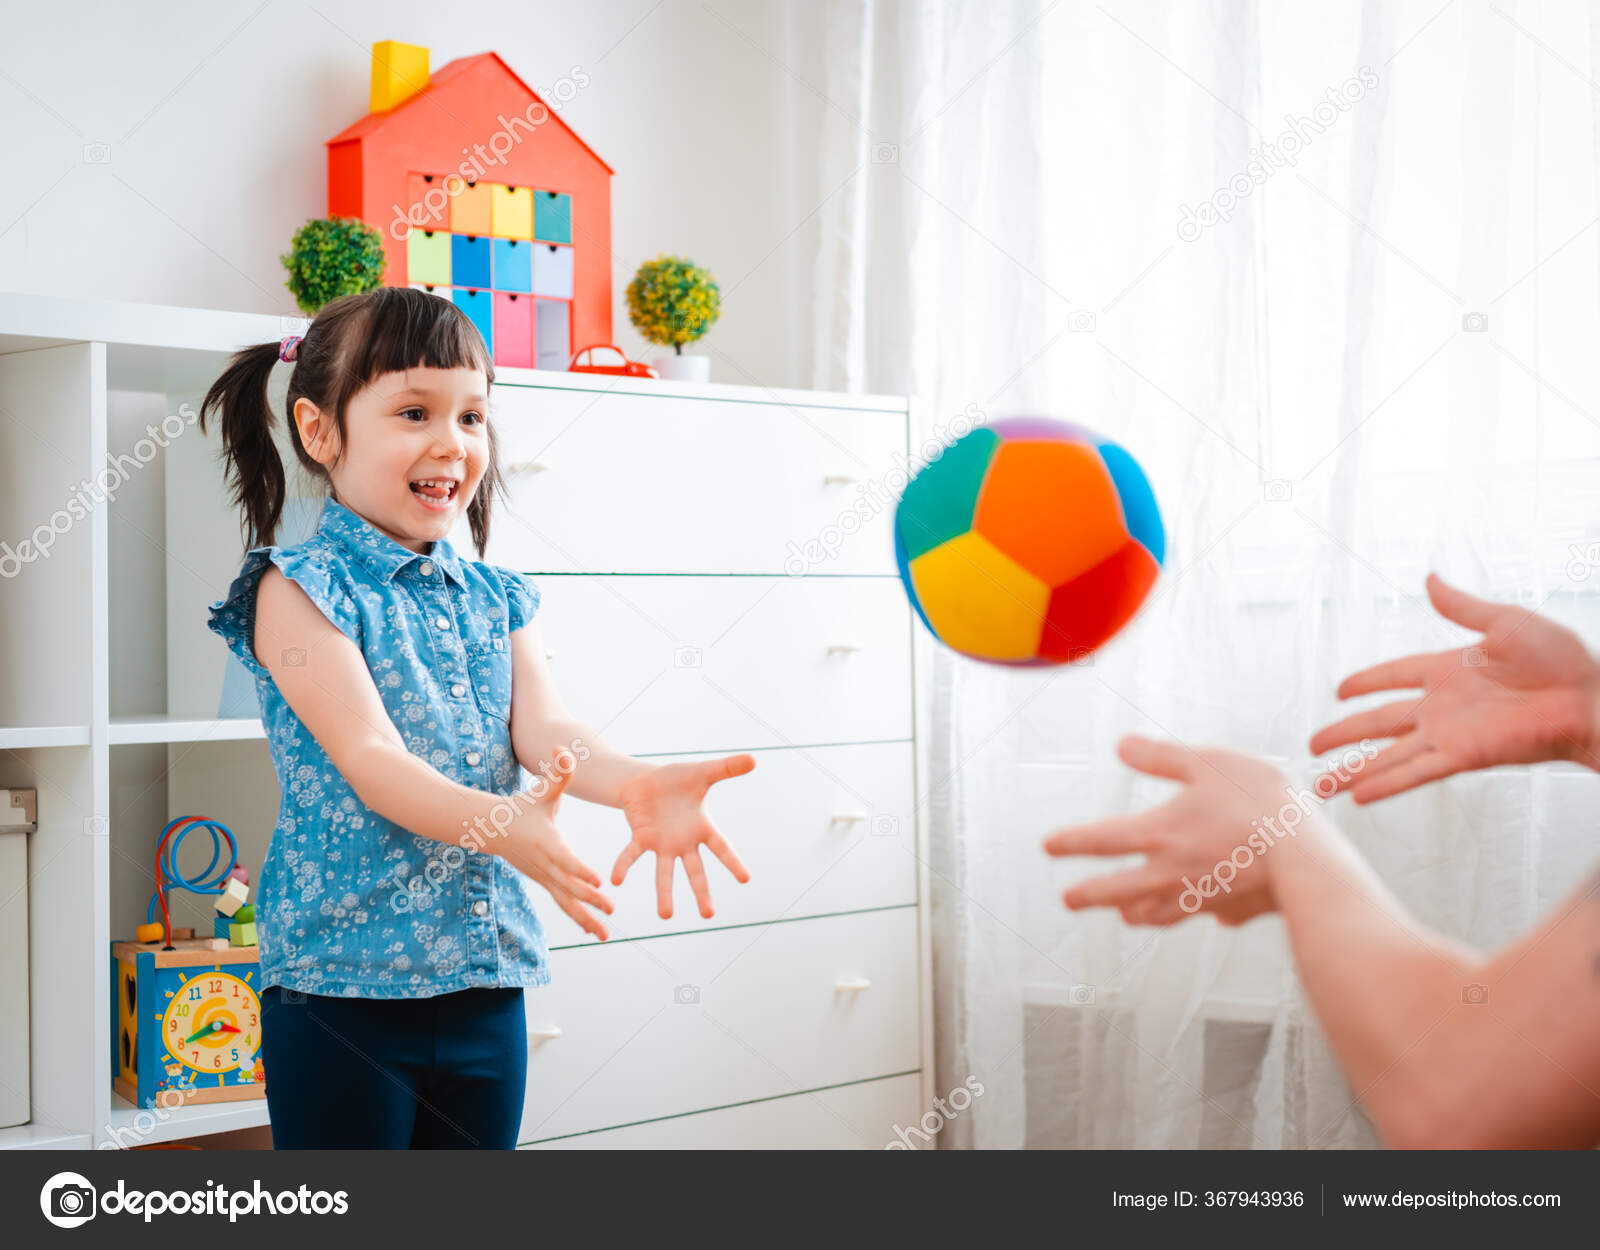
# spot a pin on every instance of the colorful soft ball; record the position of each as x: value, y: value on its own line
x: 1028, y: 541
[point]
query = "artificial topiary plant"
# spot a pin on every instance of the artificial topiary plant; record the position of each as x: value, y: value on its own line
x: 673, y: 301
x: 330, y: 257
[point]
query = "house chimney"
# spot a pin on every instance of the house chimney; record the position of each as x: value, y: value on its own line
x: 399, y: 71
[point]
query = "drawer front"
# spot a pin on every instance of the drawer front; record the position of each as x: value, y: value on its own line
x: 822, y: 830
x: 855, y: 1117
x: 603, y: 483
x: 672, y: 664
x: 638, y: 1030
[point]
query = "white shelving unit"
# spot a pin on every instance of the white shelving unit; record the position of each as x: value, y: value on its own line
x: 110, y: 681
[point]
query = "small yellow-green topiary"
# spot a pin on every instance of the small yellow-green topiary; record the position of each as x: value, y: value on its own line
x: 330, y: 257
x: 673, y: 301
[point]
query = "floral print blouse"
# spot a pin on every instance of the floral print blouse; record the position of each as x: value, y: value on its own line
x: 349, y: 903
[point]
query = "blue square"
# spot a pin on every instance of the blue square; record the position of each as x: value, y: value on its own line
x: 513, y: 265
x: 479, y: 306
x: 469, y: 260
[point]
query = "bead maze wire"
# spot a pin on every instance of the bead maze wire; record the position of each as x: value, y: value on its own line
x: 168, y: 877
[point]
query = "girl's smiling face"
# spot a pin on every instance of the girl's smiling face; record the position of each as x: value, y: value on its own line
x: 417, y: 447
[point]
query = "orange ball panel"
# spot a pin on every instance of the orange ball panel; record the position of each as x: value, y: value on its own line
x: 1051, y: 507
x: 978, y: 601
x: 1091, y: 608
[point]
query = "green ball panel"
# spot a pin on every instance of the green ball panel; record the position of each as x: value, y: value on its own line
x: 939, y: 502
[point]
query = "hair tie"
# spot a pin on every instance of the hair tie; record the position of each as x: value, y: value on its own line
x: 289, y: 349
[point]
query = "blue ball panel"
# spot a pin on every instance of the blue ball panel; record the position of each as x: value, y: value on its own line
x: 1138, y: 500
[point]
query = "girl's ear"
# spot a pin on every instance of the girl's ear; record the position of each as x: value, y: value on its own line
x: 318, y: 434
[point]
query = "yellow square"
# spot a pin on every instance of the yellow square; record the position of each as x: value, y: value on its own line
x: 512, y: 212
x: 399, y: 71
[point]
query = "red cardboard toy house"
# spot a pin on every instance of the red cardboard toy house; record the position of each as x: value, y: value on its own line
x: 484, y: 196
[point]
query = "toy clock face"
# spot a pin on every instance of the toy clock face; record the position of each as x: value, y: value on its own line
x: 213, y: 1023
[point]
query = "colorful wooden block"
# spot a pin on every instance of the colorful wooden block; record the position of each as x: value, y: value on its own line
x: 245, y: 914
x: 552, y: 217
x: 471, y: 206
x: 511, y: 212
x: 428, y: 257
x: 513, y: 329
x: 513, y: 265
x: 183, y: 935
x: 152, y: 932
x: 552, y: 271
x: 241, y: 935
x: 469, y: 261
x: 234, y: 896
x: 220, y: 926
x: 479, y: 306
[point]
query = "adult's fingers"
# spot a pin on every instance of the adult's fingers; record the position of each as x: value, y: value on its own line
x: 1153, y: 910
x: 1398, y: 752
x: 1115, y: 835
x: 1460, y: 607
x: 1406, y: 673
x: 714, y: 771
x: 1171, y: 760
x: 1117, y: 889
x: 1428, y: 766
x: 1389, y: 721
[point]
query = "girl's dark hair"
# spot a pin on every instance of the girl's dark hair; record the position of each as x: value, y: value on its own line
x: 352, y: 341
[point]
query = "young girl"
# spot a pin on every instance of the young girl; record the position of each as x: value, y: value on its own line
x: 401, y: 687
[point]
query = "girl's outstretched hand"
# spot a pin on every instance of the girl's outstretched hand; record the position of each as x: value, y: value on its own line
x: 1524, y: 694
x: 536, y: 848
x: 664, y: 809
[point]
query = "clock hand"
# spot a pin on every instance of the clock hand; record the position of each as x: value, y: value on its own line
x: 216, y: 1026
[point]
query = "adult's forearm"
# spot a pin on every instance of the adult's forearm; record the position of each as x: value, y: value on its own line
x: 1381, y: 984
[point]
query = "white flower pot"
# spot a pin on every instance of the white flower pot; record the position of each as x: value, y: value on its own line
x: 676, y: 368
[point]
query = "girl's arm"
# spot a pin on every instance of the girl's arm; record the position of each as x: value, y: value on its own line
x: 330, y: 689
x: 541, y: 726
x: 663, y: 803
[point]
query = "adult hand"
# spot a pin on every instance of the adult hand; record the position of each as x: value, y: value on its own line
x: 1525, y: 693
x: 664, y: 808
x: 1201, y: 847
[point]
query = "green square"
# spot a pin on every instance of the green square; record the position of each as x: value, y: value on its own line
x: 241, y: 935
x: 428, y: 257
x: 552, y: 217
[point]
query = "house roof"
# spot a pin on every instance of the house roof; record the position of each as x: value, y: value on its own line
x: 478, y: 63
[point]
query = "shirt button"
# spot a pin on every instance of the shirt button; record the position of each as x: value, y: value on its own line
x: 458, y: 690
x: 473, y: 757
x: 443, y: 622
x: 427, y: 568
x: 480, y: 908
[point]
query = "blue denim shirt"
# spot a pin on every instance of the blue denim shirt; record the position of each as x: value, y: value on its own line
x: 350, y: 903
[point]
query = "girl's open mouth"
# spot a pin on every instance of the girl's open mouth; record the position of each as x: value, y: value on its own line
x: 437, y: 493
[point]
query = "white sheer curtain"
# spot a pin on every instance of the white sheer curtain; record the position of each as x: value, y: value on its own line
x: 1375, y: 361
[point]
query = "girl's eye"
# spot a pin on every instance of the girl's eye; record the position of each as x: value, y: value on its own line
x: 475, y: 418
x: 418, y: 412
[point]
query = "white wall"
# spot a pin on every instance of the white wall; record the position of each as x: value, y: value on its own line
x: 213, y: 116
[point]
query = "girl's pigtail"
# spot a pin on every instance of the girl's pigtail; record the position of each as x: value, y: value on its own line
x: 254, y: 467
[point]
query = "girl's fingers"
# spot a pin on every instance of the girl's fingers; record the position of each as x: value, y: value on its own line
x: 586, y: 893
x: 1118, y: 889
x: 562, y: 857
x: 1171, y: 760
x: 585, y: 919
x: 1430, y: 765
x: 557, y: 786
x: 731, y: 766
x: 718, y: 846
x: 696, y: 872
x: 1460, y: 607
x: 1116, y: 835
x: 664, y: 864
x: 619, y: 870
x: 1392, y: 720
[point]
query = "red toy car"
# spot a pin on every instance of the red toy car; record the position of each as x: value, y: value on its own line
x: 625, y: 368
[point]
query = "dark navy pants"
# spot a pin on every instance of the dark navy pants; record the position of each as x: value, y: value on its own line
x: 394, y: 1073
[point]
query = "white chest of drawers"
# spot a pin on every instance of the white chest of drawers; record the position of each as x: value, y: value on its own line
x: 717, y: 574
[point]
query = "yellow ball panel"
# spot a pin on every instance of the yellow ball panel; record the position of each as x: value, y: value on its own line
x: 980, y: 601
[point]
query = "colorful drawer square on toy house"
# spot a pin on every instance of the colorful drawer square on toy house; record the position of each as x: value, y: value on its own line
x: 476, y: 246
